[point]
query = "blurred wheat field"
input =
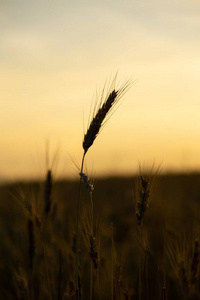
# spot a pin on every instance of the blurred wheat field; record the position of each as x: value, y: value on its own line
x: 160, y: 260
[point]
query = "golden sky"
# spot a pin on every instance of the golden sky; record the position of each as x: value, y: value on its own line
x: 54, y: 57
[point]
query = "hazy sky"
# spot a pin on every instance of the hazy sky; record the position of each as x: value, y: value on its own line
x: 54, y: 57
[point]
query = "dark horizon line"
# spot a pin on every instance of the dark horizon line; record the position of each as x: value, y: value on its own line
x: 159, y: 173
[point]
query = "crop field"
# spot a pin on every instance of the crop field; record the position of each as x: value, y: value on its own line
x: 125, y: 251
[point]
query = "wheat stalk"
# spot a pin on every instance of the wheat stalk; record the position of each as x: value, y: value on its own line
x: 100, y: 115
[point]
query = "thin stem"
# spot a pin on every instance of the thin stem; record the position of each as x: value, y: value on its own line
x: 164, y: 297
x: 47, y: 272
x: 92, y: 215
x: 91, y: 280
x: 140, y: 267
x: 112, y: 263
x: 77, y: 228
x: 59, y: 275
x: 44, y: 244
x: 92, y: 234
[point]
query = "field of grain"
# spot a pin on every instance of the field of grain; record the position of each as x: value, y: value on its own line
x: 119, y: 258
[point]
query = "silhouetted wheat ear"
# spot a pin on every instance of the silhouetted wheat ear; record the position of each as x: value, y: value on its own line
x: 47, y: 192
x: 184, y: 278
x: 79, y: 291
x: 142, y: 203
x: 195, y: 263
x: 31, y: 236
x: 97, y: 121
x: 126, y: 296
x: 22, y: 286
x: 93, y: 251
x: 100, y: 115
x: 88, y: 183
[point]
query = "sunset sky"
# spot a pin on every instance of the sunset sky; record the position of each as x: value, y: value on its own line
x: 56, y: 55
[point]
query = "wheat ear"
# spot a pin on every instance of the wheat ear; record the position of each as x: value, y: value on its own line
x: 101, y: 113
x: 142, y: 203
x: 195, y: 263
x: 47, y: 192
